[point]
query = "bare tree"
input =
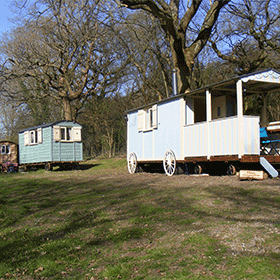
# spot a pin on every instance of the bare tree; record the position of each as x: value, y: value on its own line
x: 150, y: 69
x: 178, y: 20
x: 248, y: 36
x: 65, y: 51
x: 11, y: 119
x: 104, y: 125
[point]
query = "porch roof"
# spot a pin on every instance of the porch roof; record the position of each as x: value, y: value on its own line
x: 264, y: 81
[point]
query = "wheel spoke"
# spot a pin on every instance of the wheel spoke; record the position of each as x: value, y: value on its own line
x: 169, y: 163
x: 132, y: 163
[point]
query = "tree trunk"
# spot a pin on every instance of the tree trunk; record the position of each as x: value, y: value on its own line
x: 180, y: 65
x: 67, y: 109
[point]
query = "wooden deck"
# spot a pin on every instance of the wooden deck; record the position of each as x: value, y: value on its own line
x: 231, y: 158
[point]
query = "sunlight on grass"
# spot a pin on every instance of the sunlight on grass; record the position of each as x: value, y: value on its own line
x: 103, y: 223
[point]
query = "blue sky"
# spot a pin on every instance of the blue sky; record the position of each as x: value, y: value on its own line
x: 5, y: 13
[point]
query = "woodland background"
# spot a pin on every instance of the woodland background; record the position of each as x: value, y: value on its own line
x: 92, y: 60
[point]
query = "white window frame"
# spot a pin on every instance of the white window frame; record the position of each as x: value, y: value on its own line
x: 147, y: 119
x: 66, y: 134
x: 33, y: 137
x: 60, y: 134
x: 4, y: 152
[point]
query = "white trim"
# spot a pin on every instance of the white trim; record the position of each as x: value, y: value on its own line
x: 208, y: 106
x: 127, y: 137
x: 141, y: 120
x: 77, y: 134
x: 157, y: 159
x: 154, y: 146
x: 56, y: 133
x: 208, y: 120
x: 67, y: 137
x: 268, y: 76
x: 143, y: 145
x: 33, y: 137
x: 182, y: 123
x: 155, y: 117
x: 147, y: 119
x: 39, y: 136
x: 239, y: 93
x: 26, y: 138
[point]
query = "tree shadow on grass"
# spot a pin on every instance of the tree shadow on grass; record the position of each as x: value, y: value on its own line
x: 113, y: 210
x: 50, y: 211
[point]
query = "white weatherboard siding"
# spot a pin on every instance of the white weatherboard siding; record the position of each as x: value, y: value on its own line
x: 251, y: 135
x: 223, y: 137
x: 134, y: 138
x: 219, y: 137
x: 168, y: 135
x: 196, y: 139
x: 152, y: 144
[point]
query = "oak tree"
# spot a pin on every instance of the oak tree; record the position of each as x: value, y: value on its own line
x: 65, y: 50
x: 187, y: 26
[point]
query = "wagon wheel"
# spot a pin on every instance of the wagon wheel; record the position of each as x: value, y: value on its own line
x: 169, y: 163
x: 231, y: 170
x: 197, y: 169
x: 48, y: 166
x: 132, y: 163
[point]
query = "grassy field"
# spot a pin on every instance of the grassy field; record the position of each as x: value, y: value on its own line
x: 103, y: 223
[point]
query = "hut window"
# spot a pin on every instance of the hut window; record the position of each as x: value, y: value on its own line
x: 66, y: 133
x: 5, y: 149
x: 33, y: 137
x: 147, y: 119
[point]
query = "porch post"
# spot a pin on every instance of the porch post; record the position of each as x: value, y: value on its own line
x: 239, y: 92
x: 240, y: 122
x: 208, y: 106
x: 208, y: 119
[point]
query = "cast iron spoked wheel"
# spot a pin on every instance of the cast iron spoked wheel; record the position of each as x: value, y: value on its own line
x: 169, y: 163
x: 132, y: 163
x: 197, y: 169
x: 231, y: 170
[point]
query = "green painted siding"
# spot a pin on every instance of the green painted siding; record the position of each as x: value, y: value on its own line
x: 38, y: 152
x: 78, y: 151
x: 50, y: 150
x: 67, y: 151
